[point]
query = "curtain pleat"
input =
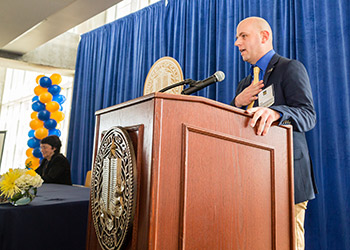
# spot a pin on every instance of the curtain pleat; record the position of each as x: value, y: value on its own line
x: 113, y: 62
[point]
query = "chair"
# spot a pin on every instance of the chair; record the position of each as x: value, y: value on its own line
x: 88, y: 179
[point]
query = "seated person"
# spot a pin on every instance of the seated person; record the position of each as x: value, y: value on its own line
x: 55, y: 167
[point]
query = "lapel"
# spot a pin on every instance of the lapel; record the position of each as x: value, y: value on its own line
x: 270, y: 68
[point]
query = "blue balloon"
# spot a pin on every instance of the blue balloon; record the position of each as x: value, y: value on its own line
x: 35, y: 98
x: 37, y: 152
x: 33, y: 142
x: 63, y: 99
x: 44, y: 115
x: 55, y: 132
x: 60, y: 108
x: 45, y: 82
x: 38, y: 106
x: 50, y: 124
x: 31, y: 133
x: 54, y: 89
x: 55, y: 98
x: 59, y: 98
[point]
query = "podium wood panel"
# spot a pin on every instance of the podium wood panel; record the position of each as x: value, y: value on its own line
x: 227, y: 201
x: 207, y: 181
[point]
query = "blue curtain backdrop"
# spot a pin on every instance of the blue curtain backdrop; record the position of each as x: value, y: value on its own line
x: 113, y: 62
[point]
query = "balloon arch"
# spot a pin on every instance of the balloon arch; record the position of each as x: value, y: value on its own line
x: 46, y: 116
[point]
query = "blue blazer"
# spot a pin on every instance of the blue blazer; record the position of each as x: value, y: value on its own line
x: 293, y: 100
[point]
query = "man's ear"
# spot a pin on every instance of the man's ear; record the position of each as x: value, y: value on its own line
x: 264, y: 36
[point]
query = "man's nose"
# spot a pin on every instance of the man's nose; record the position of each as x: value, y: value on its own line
x: 237, y: 43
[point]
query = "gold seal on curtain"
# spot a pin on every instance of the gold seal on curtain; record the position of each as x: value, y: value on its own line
x: 164, y: 72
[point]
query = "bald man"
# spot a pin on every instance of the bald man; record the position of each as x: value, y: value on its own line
x: 282, y: 94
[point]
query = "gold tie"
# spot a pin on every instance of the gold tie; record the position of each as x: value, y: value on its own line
x: 256, y: 71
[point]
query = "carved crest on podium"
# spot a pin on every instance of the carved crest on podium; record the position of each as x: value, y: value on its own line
x: 113, y: 189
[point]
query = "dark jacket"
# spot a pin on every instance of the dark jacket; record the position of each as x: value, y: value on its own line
x: 293, y: 99
x: 57, y: 170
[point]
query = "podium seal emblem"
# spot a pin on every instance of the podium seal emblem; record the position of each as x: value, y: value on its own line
x: 113, y: 189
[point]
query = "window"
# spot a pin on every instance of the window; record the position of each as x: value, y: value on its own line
x: 18, y: 91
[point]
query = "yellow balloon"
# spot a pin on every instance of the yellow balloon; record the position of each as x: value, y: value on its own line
x: 34, y: 115
x: 38, y: 78
x: 31, y: 173
x: 29, y: 152
x: 45, y: 97
x: 38, y: 90
x: 35, y: 124
x: 52, y: 106
x: 56, y: 78
x: 32, y: 162
x: 35, y: 165
x: 57, y: 116
x: 29, y: 161
x: 41, y: 133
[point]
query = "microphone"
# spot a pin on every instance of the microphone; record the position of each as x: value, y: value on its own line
x: 217, y: 77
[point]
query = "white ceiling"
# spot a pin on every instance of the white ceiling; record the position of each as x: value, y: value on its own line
x: 27, y: 24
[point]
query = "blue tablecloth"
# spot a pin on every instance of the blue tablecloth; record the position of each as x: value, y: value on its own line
x: 55, y: 219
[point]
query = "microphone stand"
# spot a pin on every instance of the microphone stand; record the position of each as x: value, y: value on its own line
x: 184, y: 82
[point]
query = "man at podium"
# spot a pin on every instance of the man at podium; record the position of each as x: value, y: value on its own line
x: 278, y: 90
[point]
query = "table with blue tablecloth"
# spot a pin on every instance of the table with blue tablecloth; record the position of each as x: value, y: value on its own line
x: 55, y: 219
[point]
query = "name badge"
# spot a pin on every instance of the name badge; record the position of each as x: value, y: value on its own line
x: 266, y: 97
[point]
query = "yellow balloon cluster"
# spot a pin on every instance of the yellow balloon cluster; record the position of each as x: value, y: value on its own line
x: 46, y: 116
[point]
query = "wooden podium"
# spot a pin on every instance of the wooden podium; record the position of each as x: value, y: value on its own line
x: 206, y: 180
